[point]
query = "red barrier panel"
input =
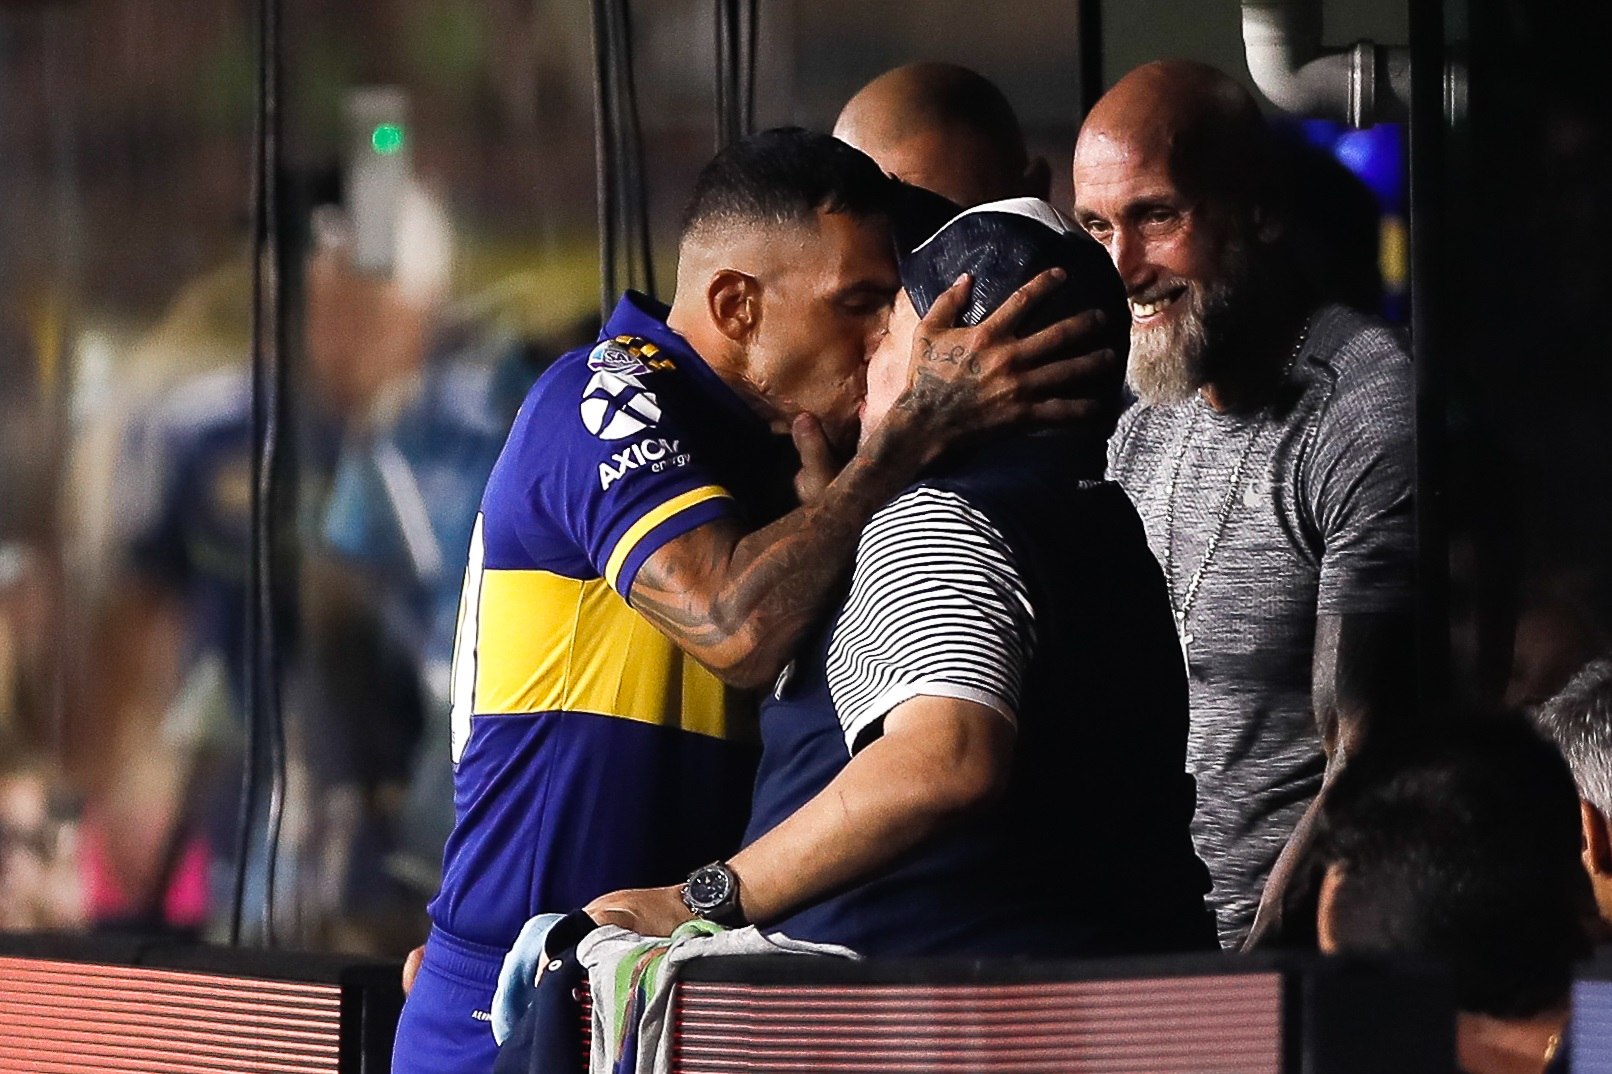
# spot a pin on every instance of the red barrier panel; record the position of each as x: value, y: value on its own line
x: 80, y: 1006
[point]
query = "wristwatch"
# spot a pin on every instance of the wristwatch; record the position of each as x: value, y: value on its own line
x: 712, y: 892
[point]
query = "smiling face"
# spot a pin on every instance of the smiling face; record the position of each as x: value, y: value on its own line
x: 1182, y: 257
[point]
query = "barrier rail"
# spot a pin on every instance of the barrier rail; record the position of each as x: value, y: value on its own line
x: 71, y: 1005
x: 1208, y: 1015
x: 77, y: 1005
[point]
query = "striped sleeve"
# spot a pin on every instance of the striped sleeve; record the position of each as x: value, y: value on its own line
x: 937, y: 608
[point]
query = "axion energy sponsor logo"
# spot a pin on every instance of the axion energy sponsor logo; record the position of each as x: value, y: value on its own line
x: 654, y: 455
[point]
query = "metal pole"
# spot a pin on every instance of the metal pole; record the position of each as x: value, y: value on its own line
x: 1090, y: 27
x: 263, y: 774
x: 604, y: 158
x: 1429, y: 132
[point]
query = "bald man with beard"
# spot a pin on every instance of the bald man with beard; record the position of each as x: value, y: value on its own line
x: 1270, y: 457
x: 946, y: 129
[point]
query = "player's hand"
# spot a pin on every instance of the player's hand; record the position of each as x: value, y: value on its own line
x: 819, y: 463
x: 646, y: 911
x: 969, y: 379
x: 411, y: 967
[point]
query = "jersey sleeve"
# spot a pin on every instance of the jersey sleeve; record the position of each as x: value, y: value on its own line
x: 620, y: 475
x: 937, y: 608
x: 1362, y: 476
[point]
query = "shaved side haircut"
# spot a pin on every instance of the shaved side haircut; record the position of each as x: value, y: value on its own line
x: 784, y: 176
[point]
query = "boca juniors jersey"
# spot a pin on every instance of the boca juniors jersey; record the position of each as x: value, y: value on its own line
x: 591, y: 753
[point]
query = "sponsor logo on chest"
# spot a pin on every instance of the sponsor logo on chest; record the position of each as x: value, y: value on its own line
x: 656, y: 455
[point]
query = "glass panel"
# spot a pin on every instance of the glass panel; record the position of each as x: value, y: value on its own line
x: 442, y: 246
x: 124, y: 164
x: 442, y: 159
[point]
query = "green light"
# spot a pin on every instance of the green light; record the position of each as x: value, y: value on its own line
x: 387, y: 138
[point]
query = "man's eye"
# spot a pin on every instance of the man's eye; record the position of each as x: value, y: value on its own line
x: 1159, y: 219
x: 1098, y: 229
x: 865, y: 307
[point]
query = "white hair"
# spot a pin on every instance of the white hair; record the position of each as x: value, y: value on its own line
x: 1579, y: 721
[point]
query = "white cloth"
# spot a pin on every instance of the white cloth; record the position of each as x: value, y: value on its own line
x: 604, y: 951
x: 518, y: 976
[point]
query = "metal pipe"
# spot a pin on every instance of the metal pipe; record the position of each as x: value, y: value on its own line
x: 263, y: 776
x: 1362, y: 84
x: 1430, y: 191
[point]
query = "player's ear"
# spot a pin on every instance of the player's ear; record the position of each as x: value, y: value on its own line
x: 733, y: 300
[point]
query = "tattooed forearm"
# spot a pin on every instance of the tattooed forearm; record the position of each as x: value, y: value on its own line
x: 741, y: 604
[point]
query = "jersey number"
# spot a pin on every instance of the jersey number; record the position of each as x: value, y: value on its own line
x: 464, y: 645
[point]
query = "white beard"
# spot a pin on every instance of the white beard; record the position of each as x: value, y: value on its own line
x: 1170, y: 361
x: 1166, y: 362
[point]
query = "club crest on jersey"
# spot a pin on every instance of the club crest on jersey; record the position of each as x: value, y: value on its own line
x: 628, y: 356
x: 617, y: 405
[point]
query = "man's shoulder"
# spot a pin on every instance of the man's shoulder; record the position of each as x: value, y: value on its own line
x: 581, y: 398
x: 1013, y: 506
x: 1360, y: 380
x: 1356, y: 352
x: 204, y: 405
x: 928, y: 503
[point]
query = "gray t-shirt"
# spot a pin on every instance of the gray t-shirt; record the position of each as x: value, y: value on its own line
x: 1320, y: 522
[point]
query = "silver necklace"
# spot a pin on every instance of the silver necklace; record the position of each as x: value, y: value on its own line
x: 1183, y: 608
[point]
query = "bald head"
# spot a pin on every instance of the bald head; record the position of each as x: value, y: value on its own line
x: 1175, y: 173
x: 944, y: 128
x: 1201, y: 124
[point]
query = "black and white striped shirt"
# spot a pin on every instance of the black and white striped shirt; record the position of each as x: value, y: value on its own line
x: 937, y: 608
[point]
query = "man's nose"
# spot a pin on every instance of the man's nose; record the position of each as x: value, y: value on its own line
x: 1129, y: 251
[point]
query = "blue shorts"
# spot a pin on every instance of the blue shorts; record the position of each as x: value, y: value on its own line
x: 446, y: 1027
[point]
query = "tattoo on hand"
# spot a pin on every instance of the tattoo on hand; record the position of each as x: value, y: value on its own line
x: 958, y: 355
x: 927, y: 391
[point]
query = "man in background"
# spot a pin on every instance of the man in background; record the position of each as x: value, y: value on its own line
x: 1271, y: 459
x: 1465, y: 850
x: 1579, y: 721
x: 946, y: 129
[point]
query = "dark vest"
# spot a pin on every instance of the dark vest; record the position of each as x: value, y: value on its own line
x: 1089, y: 852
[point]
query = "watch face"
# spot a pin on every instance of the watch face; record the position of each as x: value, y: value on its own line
x: 709, y: 888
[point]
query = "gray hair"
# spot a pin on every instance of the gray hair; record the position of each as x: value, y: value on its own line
x: 1579, y: 721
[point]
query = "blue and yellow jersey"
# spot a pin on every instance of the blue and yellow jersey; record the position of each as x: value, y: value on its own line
x: 590, y: 753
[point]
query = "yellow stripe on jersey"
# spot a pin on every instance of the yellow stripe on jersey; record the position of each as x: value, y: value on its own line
x: 637, y: 531
x: 548, y: 643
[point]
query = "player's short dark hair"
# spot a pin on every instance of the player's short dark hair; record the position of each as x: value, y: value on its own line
x: 1466, y: 850
x: 784, y: 176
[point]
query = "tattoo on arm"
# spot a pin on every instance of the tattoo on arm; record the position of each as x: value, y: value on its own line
x: 741, y: 604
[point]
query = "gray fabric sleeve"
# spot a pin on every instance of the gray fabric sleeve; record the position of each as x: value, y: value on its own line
x: 1360, y: 478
